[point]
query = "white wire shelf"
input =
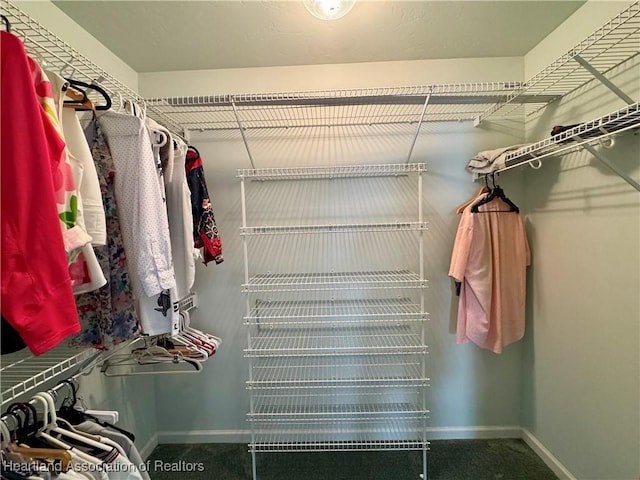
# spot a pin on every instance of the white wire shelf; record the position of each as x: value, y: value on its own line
x: 284, y: 282
x: 265, y: 411
x: 294, y: 373
x: 378, y: 340
x: 21, y: 372
x: 338, y: 171
x: 335, y: 108
x: 325, y: 312
x: 333, y: 228
x: 46, y: 47
x: 566, y: 142
x: 608, y: 47
x: 341, y: 435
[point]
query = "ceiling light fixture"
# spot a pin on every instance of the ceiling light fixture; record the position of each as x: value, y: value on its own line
x: 329, y: 9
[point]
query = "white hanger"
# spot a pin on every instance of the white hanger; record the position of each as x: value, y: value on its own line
x: 52, y: 426
x: 5, y: 435
x: 41, y: 431
x: 149, y: 355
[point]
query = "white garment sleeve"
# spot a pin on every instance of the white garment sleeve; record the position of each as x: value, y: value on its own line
x: 93, y: 208
x: 143, y: 215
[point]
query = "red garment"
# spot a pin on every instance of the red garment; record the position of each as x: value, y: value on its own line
x: 205, y: 231
x: 37, y: 299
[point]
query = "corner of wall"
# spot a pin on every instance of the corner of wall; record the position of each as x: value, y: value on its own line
x: 59, y: 23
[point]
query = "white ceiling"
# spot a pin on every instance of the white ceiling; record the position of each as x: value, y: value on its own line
x: 192, y: 35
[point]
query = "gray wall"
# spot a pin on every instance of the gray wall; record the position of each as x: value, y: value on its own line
x: 470, y: 387
x: 581, y: 376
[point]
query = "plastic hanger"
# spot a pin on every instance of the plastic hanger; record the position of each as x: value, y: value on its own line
x: 185, y: 325
x: 150, y: 355
x: 92, y: 86
x: 460, y: 209
x: 71, y: 414
x: 495, y: 192
x: 7, y: 23
x: 51, y: 424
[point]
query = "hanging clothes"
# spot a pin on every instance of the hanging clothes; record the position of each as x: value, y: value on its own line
x: 75, y: 237
x: 489, y: 258
x: 205, y: 230
x: 108, y: 315
x: 37, y: 299
x: 179, y: 213
x: 85, y: 270
x: 143, y: 219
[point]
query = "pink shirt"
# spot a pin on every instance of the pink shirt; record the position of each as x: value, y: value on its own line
x: 490, y: 256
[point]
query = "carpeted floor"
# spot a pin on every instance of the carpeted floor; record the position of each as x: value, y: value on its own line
x: 503, y: 459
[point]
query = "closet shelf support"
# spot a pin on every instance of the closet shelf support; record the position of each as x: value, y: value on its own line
x: 415, y: 138
x: 604, y: 80
x: 244, y: 137
x: 608, y: 164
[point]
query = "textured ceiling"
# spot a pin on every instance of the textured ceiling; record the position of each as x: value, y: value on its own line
x: 193, y: 35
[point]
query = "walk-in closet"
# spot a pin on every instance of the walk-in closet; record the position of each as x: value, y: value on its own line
x: 346, y: 239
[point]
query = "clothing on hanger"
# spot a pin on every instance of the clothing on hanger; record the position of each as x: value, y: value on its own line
x: 489, y: 259
x: 205, y: 230
x: 37, y: 299
x: 180, y: 218
x: 143, y: 218
x: 85, y: 271
x: 108, y: 315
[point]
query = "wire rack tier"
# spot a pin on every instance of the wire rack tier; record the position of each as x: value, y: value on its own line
x: 337, y: 171
x: 349, y: 340
x: 568, y: 141
x: 333, y: 108
x: 342, y: 436
x: 57, y: 55
x: 282, y: 282
x: 21, y: 372
x: 346, y: 372
x: 334, y: 312
x: 294, y: 409
x: 611, y: 45
x: 333, y: 228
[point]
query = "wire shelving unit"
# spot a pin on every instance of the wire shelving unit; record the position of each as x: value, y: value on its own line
x: 337, y: 359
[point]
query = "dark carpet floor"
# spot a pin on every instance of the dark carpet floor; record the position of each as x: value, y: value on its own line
x: 502, y: 459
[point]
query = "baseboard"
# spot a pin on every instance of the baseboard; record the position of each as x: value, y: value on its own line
x: 204, y: 436
x: 244, y: 436
x: 547, y: 457
x: 469, y: 433
x: 145, y: 452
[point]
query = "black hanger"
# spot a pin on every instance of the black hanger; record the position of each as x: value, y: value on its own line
x: 27, y: 427
x: 92, y: 86
x: 18, y: 424
x: 495, y: 192
x: 74, y: 416
x: 7, y: 23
